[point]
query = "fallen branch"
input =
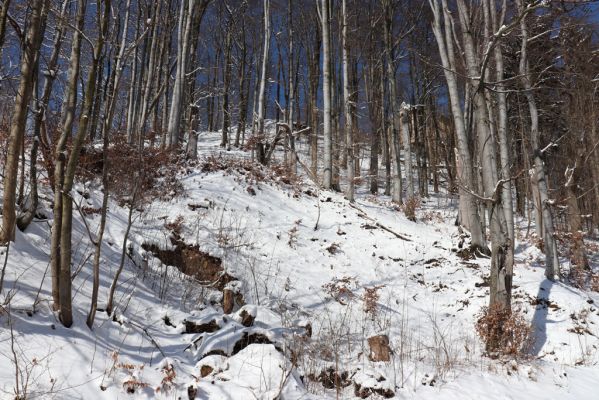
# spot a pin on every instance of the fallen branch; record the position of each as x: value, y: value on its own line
x: 379, y: 225
x: 154, y: 342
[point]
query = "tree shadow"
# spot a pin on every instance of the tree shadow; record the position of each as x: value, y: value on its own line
x: 539, y: 319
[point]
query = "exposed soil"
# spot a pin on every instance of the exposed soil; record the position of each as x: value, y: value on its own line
x: 193, y: 262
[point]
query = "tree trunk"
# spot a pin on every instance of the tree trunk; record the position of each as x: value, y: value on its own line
x: 404, y: 115
x: 539, y: 176
x: 327, y: 180
x: 259, y: 126
x: 394, y: 104
x: 349, y: 131
x: 226, y: 83
x: 469, y: 216
x: 39, y: 10
x: 69, y: 175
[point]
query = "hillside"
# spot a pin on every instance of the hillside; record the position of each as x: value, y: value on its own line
x: 307, y: 279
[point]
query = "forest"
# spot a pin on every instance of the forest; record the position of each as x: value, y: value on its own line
x: 299, y: 199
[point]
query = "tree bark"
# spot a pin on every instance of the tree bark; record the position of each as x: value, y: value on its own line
x: 469, y: 216
x: 539, y: 175
x: 39, y: 10
x: 327, y: 180
x: 349, y: 129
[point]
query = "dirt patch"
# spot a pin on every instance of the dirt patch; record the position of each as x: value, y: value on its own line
x: 249, y: 338
x: 331, y: 378
x: 193, y: 262
x: 364, y: 392
x: 208, y: 327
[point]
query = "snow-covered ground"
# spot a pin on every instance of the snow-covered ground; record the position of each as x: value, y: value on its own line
x: 319, y: 276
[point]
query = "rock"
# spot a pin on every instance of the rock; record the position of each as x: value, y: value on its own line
x: 210, y: 364
x: 192, y: 392
x: 379, y: 348
x: 308, y: 329
x: 232, y: 296
x: 369, y: 382
x: 247, y: 319
x: 205, y: 370
x: 250, y: 338
x: 364, y: 392
x: 228, y: 301
x: 331, y: 378
x: 208, y: 327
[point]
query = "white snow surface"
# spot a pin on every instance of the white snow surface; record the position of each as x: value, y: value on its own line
x: 291, y: 275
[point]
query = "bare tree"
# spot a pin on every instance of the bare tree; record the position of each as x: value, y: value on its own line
x: 349, y: 129
x: 33, y: 38
x: 258, y: 131
x: 327, y: 180
x: 539, y: 177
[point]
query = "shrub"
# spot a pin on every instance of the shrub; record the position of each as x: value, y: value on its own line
x: 371, y: 298
x: 505, y: 332
x: 154, y: 172
x: 410, y: 206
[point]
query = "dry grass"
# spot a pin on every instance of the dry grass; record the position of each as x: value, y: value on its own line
x: 154, y: 172
x: 505, y: 332
x: 410, y: 207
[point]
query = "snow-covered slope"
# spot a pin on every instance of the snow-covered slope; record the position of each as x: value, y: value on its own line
x: 318, y: 277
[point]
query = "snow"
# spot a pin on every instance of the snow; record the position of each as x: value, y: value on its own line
x: 291, y: 277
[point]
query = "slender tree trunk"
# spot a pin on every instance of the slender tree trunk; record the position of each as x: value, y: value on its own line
x: 39, y: 10
x: 327, y: 180
x: 404, y: 115
x: 98, y: 251
x: 577, y: 248
x: 242, y: 83
x: 183, y: 35
x: 349, y: 130
x: 194, y: 128
x: 394, y: 104
x: 226, y: 83
x: 501, y: 251
x: 314, y: 74
x: 260, y: 151
x: 469, y: 216
x: 3, y: 18
x: 69, y: 176
x: 115, y: 281
x: 539, y: 176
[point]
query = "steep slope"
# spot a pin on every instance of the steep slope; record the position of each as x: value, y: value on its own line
x: 318, y: 278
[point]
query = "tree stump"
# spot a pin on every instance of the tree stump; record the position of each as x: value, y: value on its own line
x: 379, y: 348
x: 228, y: 301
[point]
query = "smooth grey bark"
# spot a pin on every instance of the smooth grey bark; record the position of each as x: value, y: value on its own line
x: 404, y: 114
x: 396, y: 194
x: 469, y: 216
x: 148, y: 99
x: 194, y: 127
x: 133, y: 98
x: 502, y: 122
x: 259, y: 124
x: 243, y: 82
x: 69, y: 175
x: 40, y: 105
x: 349, y: 129
x: 292, y: 89
x: 183, y: 36
x: 501, y: 249
x: 226, y: 116
x: 327, y: 180
x: 539, y: 176
x: 61, y: 273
